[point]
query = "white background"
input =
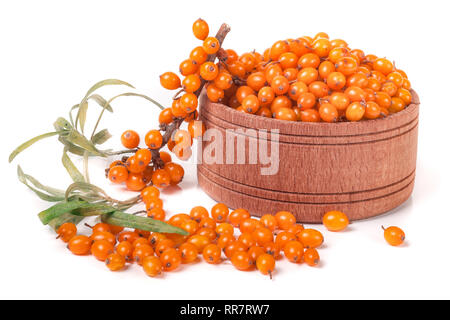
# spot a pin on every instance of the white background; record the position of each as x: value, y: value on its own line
x: 53, y: 51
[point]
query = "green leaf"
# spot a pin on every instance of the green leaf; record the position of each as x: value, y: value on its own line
x: 65, y: 217
x: 50, y: 190
x: 70, y: 147
x: 44, y: 196
x: 75, y: 207
x: 74, y: 173
x: 82, y: 112
x: 101, y: 101
x: 30, y: 142
x: 62, y: 124
x: 101, y: 137
x: 81, y: 141
x: 106, y: 82
x: 123, y: 219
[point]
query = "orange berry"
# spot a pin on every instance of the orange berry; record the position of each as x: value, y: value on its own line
x: 130, y: 139
x: 211, y: 45
x: 170, y: 81
x: 311, y: 257
x: 200, y: 29
x: 115, y: 262
x: 310, y: 238
x: 152, y: 266
x: 394, y: 235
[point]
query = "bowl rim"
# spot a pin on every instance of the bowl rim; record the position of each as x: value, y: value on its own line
x: 319, y: 129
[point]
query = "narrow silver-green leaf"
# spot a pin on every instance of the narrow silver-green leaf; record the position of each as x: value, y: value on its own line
x: 73, y: 171
x: 123, y: 219
x: 101, y: 137
x: 50, y: 190
x: 101, y: 101
x: 106, y: 82
x: 29, y: 143
x: 65, y: 217
x: 79, y: 140
x: 62, y: 124
x: 44, y: 196
x: 71, y: 147
x: 82, y: 113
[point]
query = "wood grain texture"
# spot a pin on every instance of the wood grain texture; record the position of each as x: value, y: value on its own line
x: 362, y: 168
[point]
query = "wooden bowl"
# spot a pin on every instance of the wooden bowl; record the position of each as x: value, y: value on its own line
x: 362, y: 168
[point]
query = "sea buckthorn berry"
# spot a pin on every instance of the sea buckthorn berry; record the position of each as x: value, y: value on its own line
x: 251, y: 104
x: 190, y: 226
x: 224, y: 240
x: 170, y: 259
x: 176, y: 172
x: 394, y: 235
x: 191, y: 83
x: 265, y: 263
x: 103, y: 235
x: 154, y: 203
x: 299, y: 47
x: 134, y: 165
x: 397, y: 105
x: 280, y: 85
x: 157, y: 214
x: 405, y: 95
x: 129, y: 236
x: 80, y: 245
x: 307, y: 75
x: 130, y: 139
x: 284, y: 237
x: 296, y: 228
x: 143, y: 156
x: 336, y: 81
x: 237, y: 216
x: 200, y: 241
x: 347, y: 66
x: 177, y: 110
x: 209, y: 233
x: 285, y: 219
x: 237, y: 69
x: 406, y: 84
x: 262, y: 236
x: 152, y: 266
x: 249, y: 225
x: 336, y: 53
x: 189, y: 253
x: 373, y: 110
x: 67, y: 231
x: 178, y: 219
x: 115, y: 262
x: 280, y: 102
x: 223, y: 81
x: 310, y: 238
x: 256, y: 80
x: 321, y: 47
x: 198, y: 55
x: 255, y: 252
x: 390, y: 88
x: 248, y: 60
x: 220, y: 212
x: 273, y: 249
x: 166, y: 116
x: 355, y: 94
x: 243, y: 92
x: 212, y: 254
x: 264, y: 112
x: 269, y: 221
x: 355, y: 111
x: 141, y: 252
x: 358, y: 80
x: 224, y: 227
x: 383, y: 99
x: 285, y: 114
x: 211, y: 45
x: 296, y: 89
x: 272, y: 71
x: 311, y: 257
x: 153, y: 139
x: 209, y: 71
x: 199, y: 213
x: 155, y: 238
x: 266, y: 96
x: 247, y: 239
x: 200, y: 29
x: 288, y: 60
x: 340, y: 100
x: 278, y: 48
x: 306, y: 100
x: 319, y: 89
x: 293, y: 251
x: 241, y: 260
x: 125, y: 249
x: 163, y: 245
x: 170, y: 81
x: 161, y: 178
x: 310, y: 115
x: 309, y: 60
x: 188, y: 67
x: 335, y: 220
x: 102, y: 249
x: 214, y: 94
x: 233, y: 247
x: 149, y: 192
x: 196, y: 128
x: 189, y: 102
x: 383, y: 65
